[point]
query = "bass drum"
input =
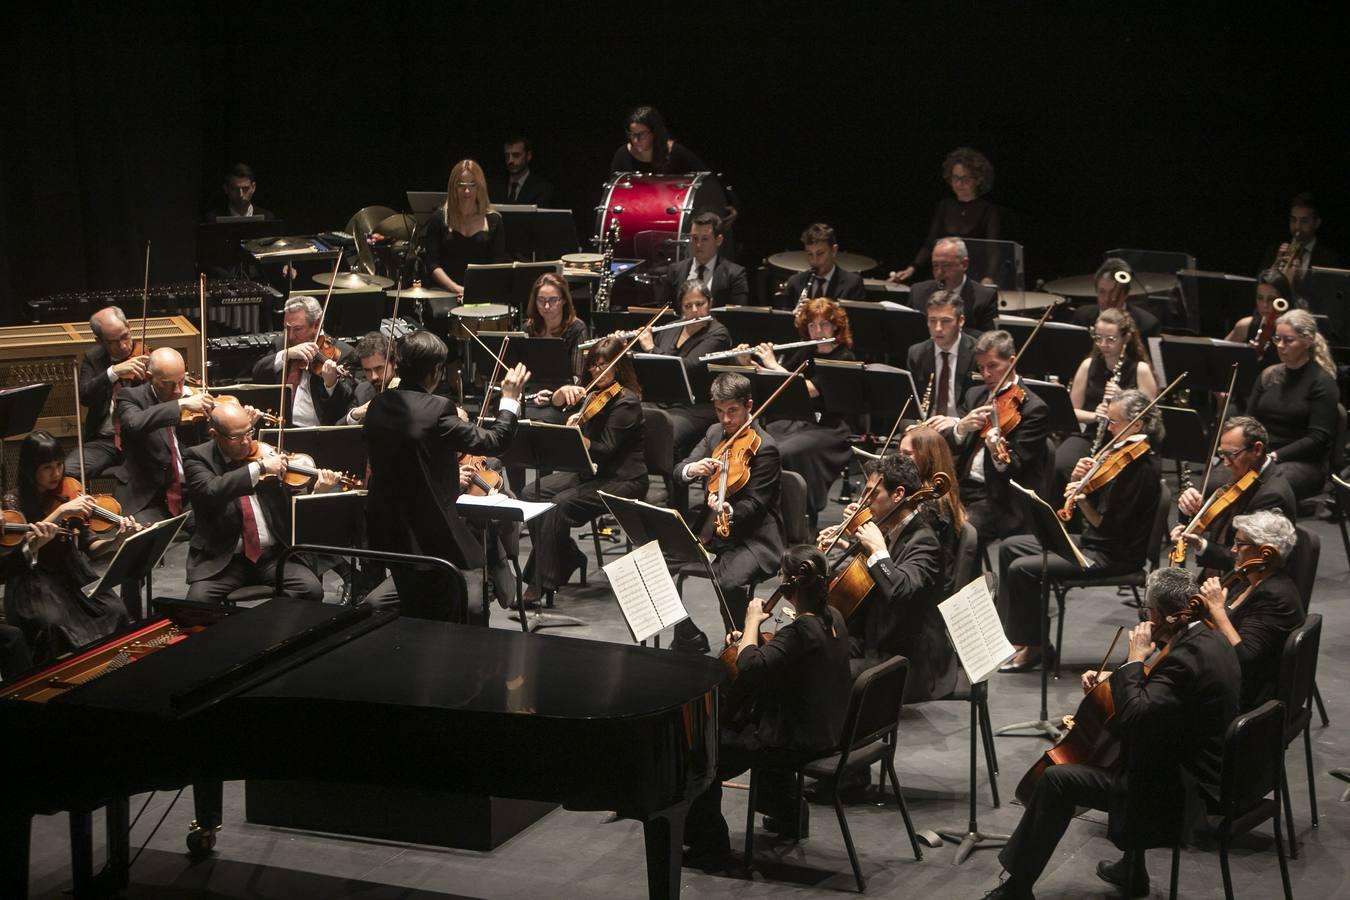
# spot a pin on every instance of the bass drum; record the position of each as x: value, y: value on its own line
x: 653, y: 211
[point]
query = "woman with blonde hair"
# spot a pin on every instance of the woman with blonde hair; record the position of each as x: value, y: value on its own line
x: 1296, y: 400
x: 465, y: 230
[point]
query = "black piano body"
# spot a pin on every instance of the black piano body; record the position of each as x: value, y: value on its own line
x: 311, y: 692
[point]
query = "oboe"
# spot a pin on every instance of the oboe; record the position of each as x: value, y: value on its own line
x: 926, y: 404
x: 726, y: 354
x: 1101, y: 422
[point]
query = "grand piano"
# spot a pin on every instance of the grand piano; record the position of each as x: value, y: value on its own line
x: 286, y: 690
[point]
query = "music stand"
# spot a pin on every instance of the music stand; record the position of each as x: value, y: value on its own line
x: 1208, y: 363
x: 338, y: 447
x: 263, y: 397
x: 489, y: 283
x: 754, y: 324
x: 137, y: 557
x: 555, y: 233
x: 1326, y: 290
x: 1221, y: 298
x: 548, y: 359
x: 613, y: 320
x: 887, y: 390
x: 1058, y: 349
x: 1183, y: 436
x: 1056, y: 396
x: 884, y: 332
x: 486, y: 511
x: 1054, y: 539
x: 794, y: 404
x: 353, y: 310
x: 664, y: 379
x: 336, y: 519
x: 19, y: 411
x: 518, y: 229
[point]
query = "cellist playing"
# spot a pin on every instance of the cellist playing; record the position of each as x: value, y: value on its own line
x: 752, y: 550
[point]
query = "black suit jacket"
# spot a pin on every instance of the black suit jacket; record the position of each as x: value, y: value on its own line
x: 980, y: 302
x: 331, y: 407
x: 730, y: 287
x: 1026, y: 446
x: 922, y: 366
x: 95, y: 389
x: 1171, y: 724
x: 841, y: 286
x: 1264, y: 621
x: 1271, y: 491
x: 756, y: 509
x: 413, y: 439
x: 533, y: 190
x: 147, y: 456
x: 215, y: 485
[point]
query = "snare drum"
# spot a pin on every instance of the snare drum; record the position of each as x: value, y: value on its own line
x: 472, y: 318
x: 653, y: 210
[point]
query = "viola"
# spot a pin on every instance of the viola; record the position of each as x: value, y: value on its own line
x: 1104, y: 471
x: 1269, y: 559
x: 300, y: 470
x: 1005, y: 415
x: 485, y: 480
x: 105, y: 516
x: 1217, y: 505
x: 596, y: 401
x: 16, y: 528
x: 736, y: 454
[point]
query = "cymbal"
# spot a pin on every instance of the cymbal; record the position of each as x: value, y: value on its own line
x: 420, y: 293
x: 398, y: 227
x: 1086, y: 285
x: 1013, y: 300
x: 276, y: 244
x: 354, y: 280
x: 795, y: 261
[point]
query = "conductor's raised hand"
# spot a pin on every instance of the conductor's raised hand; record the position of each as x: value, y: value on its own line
x: 514, y: 382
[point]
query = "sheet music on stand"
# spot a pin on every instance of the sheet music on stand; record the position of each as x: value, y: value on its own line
x: 499, y: 507
x: 976, y: 630
x: 645, y: 591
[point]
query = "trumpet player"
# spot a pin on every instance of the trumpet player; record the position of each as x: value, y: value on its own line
x: 1303, y: 250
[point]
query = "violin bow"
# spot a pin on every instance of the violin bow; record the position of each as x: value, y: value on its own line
x: 750, y: 420
x: 202, y: 291
x: 629, y: 346
x: 390, y: 346
x: 1012, y: 370
x: 323, y: 314
x: 488, y: 350
x: 79, y: 429
x: 1120, y: 629
x: 487, y: 394
x: 281, y: 424
x: 866, y: 498
x: 145, y: 300
x: 1218, y: 432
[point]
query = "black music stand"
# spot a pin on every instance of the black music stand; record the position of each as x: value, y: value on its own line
x: 555, y: 233
x: 1058, y: 349
x: 262, y: 396
x: 851, y: 388
x: 887, y: 390
x: 336, y: 519
x: 665, y: 379
x: 1056, y: 396
x: 756, y: 324
x: 356, y: 311
x: 1221, y: 298
x: 485, y: 512
x: 1326, y: 290
x: 1208, y: 364
x: 19, y: 411
x: 137, y: 557
x: 884, y: 332
x: 518, y: 228
x: 338, y: 447
x: 548, y: 359
x: 794, y: 403
x: 1184, y: 437
x: 1054, y: 539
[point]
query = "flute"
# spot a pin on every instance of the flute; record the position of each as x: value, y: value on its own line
x: 724, y: 354
x: 625, y: 335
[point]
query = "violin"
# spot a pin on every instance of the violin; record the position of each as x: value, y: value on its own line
x: 105, y: 516
x: 1005, y: 414
x: 1103, y: 472
x: 485, y: 480
x: 1215, y: 507
x: 596, y: 401
x: 300, y: 471
x: 190, y: 416
x: 16, y: 528
x: 327, y: 350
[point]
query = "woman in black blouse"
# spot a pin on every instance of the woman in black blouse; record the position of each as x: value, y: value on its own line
x: 1260, y: 611
x: 966, y: 214
x: 1296, y: 400
x: 550, y: 313
x: 818, y: 449
x: 649, y: 147
x: 465, y: 230
x: 788, y: 702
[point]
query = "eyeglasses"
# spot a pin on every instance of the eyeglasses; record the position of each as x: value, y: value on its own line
x: 466, y: 184
x: 639, y: 134
x: 1285, y: 339
x: 547, y: 301
x: 240, y: 437
x: 1230, y: 455
x: 1237, y: 544
x: 1106, y: 340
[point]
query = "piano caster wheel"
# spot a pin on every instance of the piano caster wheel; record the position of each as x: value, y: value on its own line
x: 201, y: 841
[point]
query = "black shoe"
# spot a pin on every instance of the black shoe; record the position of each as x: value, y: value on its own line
x: 1032, y: 662
x: 786, y: 827
x: 1009, y: 890
x: 1115, y: 872
x: 691, y: 641
x: 571, y: 562
x: 708, y: 859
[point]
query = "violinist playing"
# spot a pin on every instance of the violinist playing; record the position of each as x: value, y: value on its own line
x: 1262, y: 607
x: 613, y: 432
x: 788, y: 702
x: 115, y: 362
x: 242, y: 513
x: 1170, y: 719
x: 750, y: 552
x: 377, y: 371
x: 1118, y: 506
x: 44, y: 574
x: 1242, y: 450
x: 322, y: 396
x: 982, y: 469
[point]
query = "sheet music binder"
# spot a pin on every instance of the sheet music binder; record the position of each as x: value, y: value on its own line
x: 335, y: 519
x: 138, y: 554
x: 645, y: 523
x: 756, y: 324
x: 975, y: 630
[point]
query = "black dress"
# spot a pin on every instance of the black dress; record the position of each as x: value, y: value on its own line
x: 43, y: 597
x: 680, y: 161
x: 1300, y: 415
x: 1264, y: 620
x: 979, y: 219
x: 817, y: 450
x: 453, y: 252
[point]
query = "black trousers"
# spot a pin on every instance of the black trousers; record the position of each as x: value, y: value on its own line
x: 574, y: 503
x: 689, y: 424
x: 299, y: 580
x: 1019, y: 584
x: 1305, y: 477
x: 705, y: 828
x: 1061, y: 790
x: 100, y: 455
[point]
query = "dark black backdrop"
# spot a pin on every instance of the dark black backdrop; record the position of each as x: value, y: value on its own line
x: 1126, y: 126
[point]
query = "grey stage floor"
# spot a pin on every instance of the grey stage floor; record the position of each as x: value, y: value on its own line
x: 586, y: 856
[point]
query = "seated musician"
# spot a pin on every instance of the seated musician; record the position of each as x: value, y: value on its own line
x: 1306, y: 247
x: 951, y: 261
x: 943, y: 367
x: 1112, y: 294
x: 465, y: 231
x: 319, y: 398
x: 1170, y: 720
x: 1263, y: 607
x: 722, y: 280
x: 1117, y: 523
x: 44, y: 575
x: 1270, y: 286
x: 243, y: 513
x: 899, y: 615
x: 521, y: 184
x: 1242, y: 449
x: 105, y: 370
x: 823, y: 278
x: 239, y: 186
x: 689, y: 343
x: 551, y: 313
x: 614, y: 437
x: 379, y: 372
x: 1117, y: 362
x: 788, y: 702
x: 983, y: 475
x: 1296, y: 400
x: 946, y: 515
x: 154, y: 438
x: 414, y: 438
x: 750, y: 553
x: 967, y: 212
x: 817, y: 450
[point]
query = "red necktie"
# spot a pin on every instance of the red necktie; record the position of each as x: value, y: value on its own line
x: 944, y: 375
x: 117, y: 420
x: 173, y: 494
x: 252, y: 544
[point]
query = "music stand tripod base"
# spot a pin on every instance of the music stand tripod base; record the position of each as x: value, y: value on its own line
x: 1041, y: 727
x: 534, y: 621
x: 972, y: 838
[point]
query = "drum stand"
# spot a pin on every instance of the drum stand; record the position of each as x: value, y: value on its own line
x: 1041, y: 727
x: 972, y: 838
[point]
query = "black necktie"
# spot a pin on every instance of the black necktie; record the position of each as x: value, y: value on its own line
x: 702, y: 270
x: 513, y: 193
x: 817, y: 286
x: 943, y: 376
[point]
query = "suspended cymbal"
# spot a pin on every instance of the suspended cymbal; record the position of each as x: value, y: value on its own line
x: 354, y: 280
x: 417, y: 292
x: 278, y: 244
x: 360, y: 226
x: 795, y: 261
x: 1086, y: 285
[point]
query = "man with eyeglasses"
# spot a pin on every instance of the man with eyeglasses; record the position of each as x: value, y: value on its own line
x: 242, y: 509
x: 1113, y: 293
x: 1242, y: 449
x: 943, y: 367
x: 725, y: 282
x: 823, y: 278
x: 950, y: 262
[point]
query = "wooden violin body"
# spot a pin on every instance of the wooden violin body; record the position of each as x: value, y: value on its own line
x: 596, y: 401
x: 1104, y: 472
x: 736, y: 456
x: 485, y: 479
x: 16, y: 528
x: 300, y: 471
x: 107, y: 513
x: 1215, y: 508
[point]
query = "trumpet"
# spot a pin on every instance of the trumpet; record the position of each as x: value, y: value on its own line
x: 726, y: 354
x: 1123, y: 277
x: 1286, y: 262
x: 628, y: 335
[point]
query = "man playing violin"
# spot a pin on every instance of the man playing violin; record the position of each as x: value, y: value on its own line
x: 1118, y: 521
x: 1242, y: 449
x: 105, y: 370
x: 751, y: 552
x: 321, y: 397
x: 242, y: 513
x: 377, y: 369
x: 1170, y: 719
x: 990, y: 501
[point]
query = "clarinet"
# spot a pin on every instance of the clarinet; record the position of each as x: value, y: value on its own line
x: 926, y: 404
x: 607, y: 243
x: 1101, y: 423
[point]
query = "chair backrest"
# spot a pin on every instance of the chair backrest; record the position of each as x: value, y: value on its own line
x: 1298, y: 665
x: 1302, y: 563
x: 1253, y: 748
x: 874, y: 705
x: 1160, y: 528
x: 967, y: 557
x: 1338, y: 446
x: 792, y: 506
x: 658, y: 441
